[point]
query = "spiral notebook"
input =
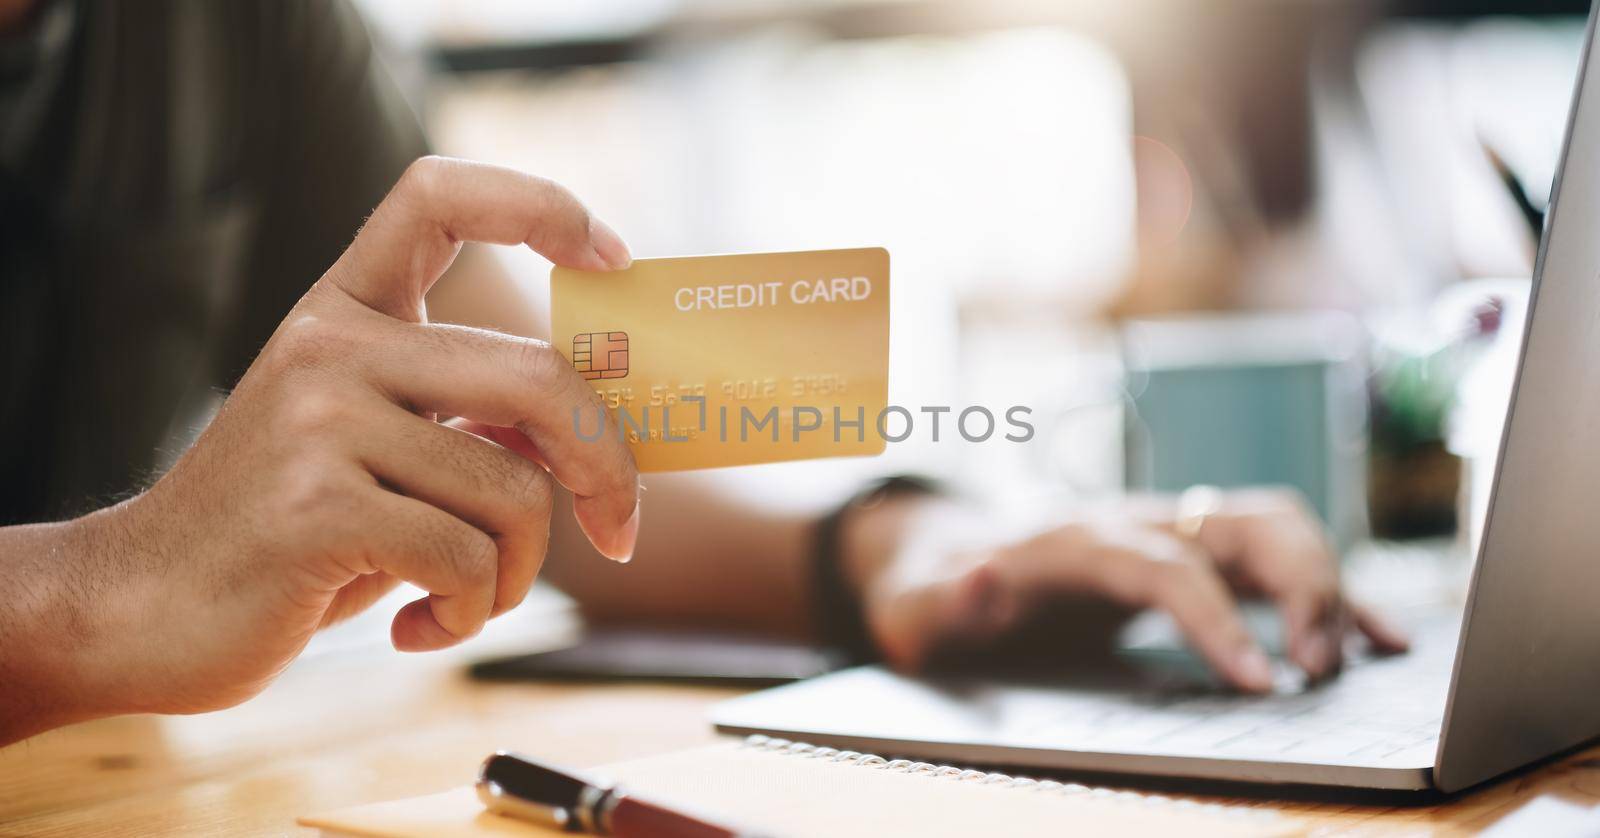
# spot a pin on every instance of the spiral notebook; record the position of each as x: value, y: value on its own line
x: 794, y: 789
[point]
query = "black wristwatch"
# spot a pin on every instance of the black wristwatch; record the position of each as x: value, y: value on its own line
x: 840, y: 621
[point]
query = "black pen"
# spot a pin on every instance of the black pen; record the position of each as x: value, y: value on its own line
x: 521, y: 788
x: 1519, y: 193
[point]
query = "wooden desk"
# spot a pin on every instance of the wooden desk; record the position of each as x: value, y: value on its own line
x: 339, y: 730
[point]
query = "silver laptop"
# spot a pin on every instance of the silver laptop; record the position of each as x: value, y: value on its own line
x: 1514, y: 680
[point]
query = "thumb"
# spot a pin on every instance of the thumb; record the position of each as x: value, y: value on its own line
x: 414, y: 235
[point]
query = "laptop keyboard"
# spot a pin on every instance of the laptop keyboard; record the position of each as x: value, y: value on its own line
x: 1381, y: 711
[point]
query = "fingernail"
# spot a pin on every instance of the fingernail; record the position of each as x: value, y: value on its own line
x: 1253, y: 670
x: 1316, y: 653
x: 608, y: 245
x: 630, y: 537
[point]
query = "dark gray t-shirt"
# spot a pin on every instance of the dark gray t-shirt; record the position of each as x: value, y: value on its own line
x: 173, y: 175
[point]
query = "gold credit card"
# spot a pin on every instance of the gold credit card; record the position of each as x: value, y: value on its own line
x: 711, y: 361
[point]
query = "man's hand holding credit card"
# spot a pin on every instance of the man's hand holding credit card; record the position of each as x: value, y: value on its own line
x: 712, y: 361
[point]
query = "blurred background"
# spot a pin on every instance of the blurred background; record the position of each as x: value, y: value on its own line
x: 1234, y: 241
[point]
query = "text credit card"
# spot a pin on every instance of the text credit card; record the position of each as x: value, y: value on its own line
x: 712, y: 361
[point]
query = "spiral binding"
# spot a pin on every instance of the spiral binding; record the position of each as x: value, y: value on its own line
x: 970, y: 775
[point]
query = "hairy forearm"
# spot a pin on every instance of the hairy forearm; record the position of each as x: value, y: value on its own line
x: 705, y: 558
x: 44, y: 628
x: 80, y: 605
